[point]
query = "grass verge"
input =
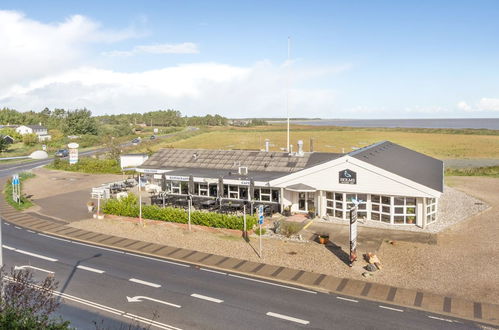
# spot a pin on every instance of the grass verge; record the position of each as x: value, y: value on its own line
x: 489, y: 171
x: 7, y: 190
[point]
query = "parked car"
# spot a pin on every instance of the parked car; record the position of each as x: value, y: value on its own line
x: 153, y: 137
x: 62, y: 153
x: 135, y: 141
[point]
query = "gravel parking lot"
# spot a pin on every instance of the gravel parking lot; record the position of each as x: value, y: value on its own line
x: 464, y: 262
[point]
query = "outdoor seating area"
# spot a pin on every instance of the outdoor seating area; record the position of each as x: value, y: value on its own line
x: 228, y: 206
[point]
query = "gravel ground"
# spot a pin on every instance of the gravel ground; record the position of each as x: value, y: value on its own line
x: 454, y: 206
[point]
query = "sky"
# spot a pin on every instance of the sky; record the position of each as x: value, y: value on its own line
x: 362, y: 59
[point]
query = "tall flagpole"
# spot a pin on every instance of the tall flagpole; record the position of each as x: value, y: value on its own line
x: 287, y: 93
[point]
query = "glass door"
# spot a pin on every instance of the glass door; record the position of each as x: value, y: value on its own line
x: 302, y: 201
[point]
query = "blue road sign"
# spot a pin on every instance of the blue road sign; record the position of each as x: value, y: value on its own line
x: 260, y: 214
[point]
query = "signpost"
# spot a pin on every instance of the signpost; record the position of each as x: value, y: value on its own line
x: 73, y: 152
x: 260, y: 223
x: 16, y: 188
x: 353, y: 231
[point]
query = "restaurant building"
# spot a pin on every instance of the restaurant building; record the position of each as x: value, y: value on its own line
x: 395, y: 185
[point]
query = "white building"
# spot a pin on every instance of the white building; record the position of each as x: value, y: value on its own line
x: 132, y: 160
x: 396, y: 185
x: 39, y: 130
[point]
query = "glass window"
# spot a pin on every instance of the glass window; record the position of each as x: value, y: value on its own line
x: 213, y: 190
x: 256, y: 194
x: 233, y: 192
x: 385, y: 200
x: 176, y: 187
x: 338, y: 214
x: 338, y: 196
x: 385, y: 217
x: 203, y: 189
x: 375, y: 199
x: 398, y: 201
x: 243, y: 192
x: 275, y: 195
x: 226, y: 190
x: 329, y: 195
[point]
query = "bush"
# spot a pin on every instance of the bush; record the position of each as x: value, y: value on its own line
x: 260, y: 232
x: 87, y: 165
x: 30, y: 139
x: 129, y: 207
x: 289, y: 229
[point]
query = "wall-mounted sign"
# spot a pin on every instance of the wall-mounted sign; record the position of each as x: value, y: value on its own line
x: 177, y: 178
x: 347, y: 177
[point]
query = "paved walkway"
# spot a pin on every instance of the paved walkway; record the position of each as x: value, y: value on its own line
x: 456, y: 307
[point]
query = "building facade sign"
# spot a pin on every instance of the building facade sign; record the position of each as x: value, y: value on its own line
x: 347, y: 177
x: 177, y: 178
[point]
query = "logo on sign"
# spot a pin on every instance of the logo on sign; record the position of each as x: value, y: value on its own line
x: 347, y: 177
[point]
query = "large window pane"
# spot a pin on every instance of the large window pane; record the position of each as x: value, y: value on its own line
x: 375, y: 199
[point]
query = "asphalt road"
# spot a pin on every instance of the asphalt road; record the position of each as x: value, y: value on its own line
x: 95, y: 283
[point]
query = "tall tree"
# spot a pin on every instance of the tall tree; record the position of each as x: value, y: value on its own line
x: 79, y: 122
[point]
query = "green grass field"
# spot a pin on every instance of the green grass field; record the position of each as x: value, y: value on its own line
x: 436, y: 143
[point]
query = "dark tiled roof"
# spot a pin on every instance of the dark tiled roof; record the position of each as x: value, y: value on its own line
x: 404, y: 162
x: 231, y: 160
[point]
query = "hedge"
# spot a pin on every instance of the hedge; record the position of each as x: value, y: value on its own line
x: 129, y: 207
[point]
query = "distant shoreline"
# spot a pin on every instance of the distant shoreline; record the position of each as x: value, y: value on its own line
x: 453, y: 123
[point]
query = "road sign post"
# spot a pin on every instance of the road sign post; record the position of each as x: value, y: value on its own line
x: 260, y: 222
x: 73, y: 152
x: 353, y: 231
x: 189, y: 203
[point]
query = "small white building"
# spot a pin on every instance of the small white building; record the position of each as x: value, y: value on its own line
x: 395, y: 185
x: 132, y: 160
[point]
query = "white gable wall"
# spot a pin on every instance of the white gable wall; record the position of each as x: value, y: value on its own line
x: 370, y: 179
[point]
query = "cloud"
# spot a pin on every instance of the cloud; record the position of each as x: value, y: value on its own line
x: 183, y: 48
x: 489, y: 104
x: 32, y: 49
x: 483, y: 105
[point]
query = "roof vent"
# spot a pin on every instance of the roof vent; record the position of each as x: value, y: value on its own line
x: 243, y: 170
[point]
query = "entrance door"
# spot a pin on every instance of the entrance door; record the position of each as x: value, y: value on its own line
x: 311, y: 201
x: 302, y: 201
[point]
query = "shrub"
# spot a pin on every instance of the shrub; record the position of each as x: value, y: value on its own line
x: 87, y: 165
x: 260, y: 232
x: 129, y: 207
x: 289, y: 229
x: 30, y: 139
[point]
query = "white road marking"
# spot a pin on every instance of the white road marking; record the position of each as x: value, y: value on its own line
x: 109, y: 309
x: 7, y: 224
x: 213, y: 271
x: 29, y: 230
x: 270, y: 283
x: 154, y: 285
x: 141, y: 298
x: 30, y: 253
x: 441, y: 319
x: 156, y: 259
x: 53, y: 237
x: 17, y: 227
x: 32, y: 267
x: 200, y: 296
x: 391, y: 308
x: 347, y: 299
x: 288, y: 318
x: 90, y: 269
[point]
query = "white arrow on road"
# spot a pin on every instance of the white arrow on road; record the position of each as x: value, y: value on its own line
x: 32, y: 267
x: 141, y: 298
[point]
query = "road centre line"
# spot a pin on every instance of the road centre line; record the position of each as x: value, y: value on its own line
x: 288, y: 318
x: 347, y: 299
x: 109, y: 309
x: 90, y: 269
x: 213, y: 271
x: 440, y: 319
x: 7, y: 224
x: 32, y: 267
x: 30, y: 253
x: 30, y: 231
x: 391, y: 308
x: 53, y: 237
x: 17, y: 227
x: 270, y: 283
x: 156, y: 259
x: 136, y: 280
x: 200, y: 296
